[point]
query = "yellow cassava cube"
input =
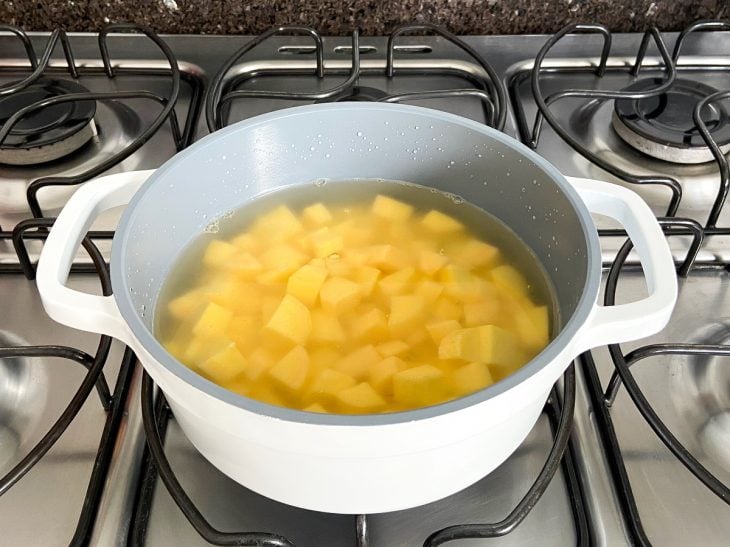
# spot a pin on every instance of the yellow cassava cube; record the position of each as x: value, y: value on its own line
x: 440, y: 223
x: 357, y: 362
x: 418, y: 386
x: 485, y: 312
x: 317, y: 214
x: 445, y: 308
x: 431, y: 262
x: 381, y: 374
x: 291, y: 320
x: 213, y: 321
x: 391, y: 209
x: 476, y: 254
x: 184, y: 307
x: 326, y: 328
x: 387, y: 257
x: 326, y: 242
x: 291, y: 370
x: 510, y: 280
x: 306, y: 282
x: 486, y: 344
x: 392, y: 347
x: 315, y: 407
x: 330, y: 382
x: 244, y: 265
x: 371, y: 325
x: 439, y: 329
x: 471, y: 377
x: 284, y: 258
x: 277, y: 225
x: 200, y: 348
x: 219, y: 253
x: 406, y: 311
x: 321, y: 358
x: 533, y: 326
x: 224, y: 365
x: 360, y: 398
x: 398, y: 282
x: 260, y: 360
x: 247, y: 242
x: 366, y: 277
x: 242, y: 330
x: 429, y: 290
x: 339, y: 294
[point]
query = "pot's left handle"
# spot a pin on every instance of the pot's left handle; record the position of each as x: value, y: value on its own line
x: 68, y: 306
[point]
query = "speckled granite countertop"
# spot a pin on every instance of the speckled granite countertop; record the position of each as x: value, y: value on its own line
x: 373, y: 17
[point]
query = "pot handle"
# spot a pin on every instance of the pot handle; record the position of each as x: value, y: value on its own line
x: 624, y: 322
x: 70, y: 307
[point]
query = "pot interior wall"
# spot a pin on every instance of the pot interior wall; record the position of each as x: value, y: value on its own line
x: 341, y: 142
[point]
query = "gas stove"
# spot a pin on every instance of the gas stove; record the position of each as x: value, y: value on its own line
x: 633, y: 445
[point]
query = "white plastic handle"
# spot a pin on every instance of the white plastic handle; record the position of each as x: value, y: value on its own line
x: 624, y: 322
x: 67, y: 306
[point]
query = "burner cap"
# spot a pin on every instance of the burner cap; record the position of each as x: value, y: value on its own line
x: 662, y: 126
x: 356, y: 93
x: 48, y: 133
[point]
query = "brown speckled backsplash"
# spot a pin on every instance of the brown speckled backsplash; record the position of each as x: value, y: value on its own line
x: 373, y: 17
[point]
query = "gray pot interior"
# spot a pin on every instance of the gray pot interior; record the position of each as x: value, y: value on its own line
x: 345, y: 141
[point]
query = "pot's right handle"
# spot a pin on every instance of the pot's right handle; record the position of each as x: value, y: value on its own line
x: 624, y: 322
x: 70, y: 307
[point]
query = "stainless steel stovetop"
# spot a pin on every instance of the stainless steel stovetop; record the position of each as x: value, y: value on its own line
x: 78, y: 493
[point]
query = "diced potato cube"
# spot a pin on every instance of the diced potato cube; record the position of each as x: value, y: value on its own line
x: 184, y: 307
x: 330, y: 382
x: 418, y: 386
x: 510, y: 280
x: 471, y: 377
x: 431, y: 262
x: 259, y: 361
x: 485, y: 312
x: 326, y: 328
x: 269, y: 305
x: 416, y: 337
x: 369, y: 326
x: 244, y: 265
x: 306, y: 282
x: 441, y: 328
x: 381, y: 374
x: 213, y: 321
x: 224, y: 365
x: 391, y: 209
x: 487, y: 344
x: 361, y: 398
x: 317, y: 214
x: 201, y: 347
x: 357, y: 362
x: 278, y: 225
x: 247, y: 242
x: 461, y: 284
x: 291, y: 370
x: 291, y: 320
x: 283, y: 258
x: 388, y: 257
x: 440, y: 223
x: 338, y: 267
x: 219, y: 253
x: 242, y: 331
x: 398, y: 282
x: 445, y: 308
x: 315, y: 407
x: 326, y: 242
x: 324, y: 357
x: 429, y: 290
x: 338, y: 294
x: 366, y: 277
x: 476, y: 254
x: 393, y: 347
x: 406, y: 311
x: 236, y: 296
x: 533, y: 326
x: 265, y: 393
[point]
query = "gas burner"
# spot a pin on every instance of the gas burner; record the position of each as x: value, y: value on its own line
x: 49, y: 133
x: 357, y: 93
x: 662, y: 126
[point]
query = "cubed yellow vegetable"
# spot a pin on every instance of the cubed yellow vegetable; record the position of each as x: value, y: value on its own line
x: 431, y: 262
x: 487, y: 344
x: 533, y: 326
x: 315, y: 407
x: 213, y: 321
x: 391, y: 209
x: 418, y: 386
x: 291, y: 370
x: 259, y: 361
x: 381, y: 374
x: 387, y: 257
x: 242, y: 330
x: 440, y: 329
x: 326, y: 242
x: 224, y: 365
x: 367, y: 278
x: 440, y: 223
x: 445, y: 308
x: 476, y: 254
x: 416, y: 337
x: 292, y: 320
x: 277, y: 225
x: 317, y: 214
x: 306, y: 283
x: 201, y: 348
x: 429, y: 290
x: 485, y: 312
x: 219, y: 253
x: 471, y: 377
x: 510, y: 280
x: 392, y: 347
x: 357, y: 362
x: 244, y: 265
x: 361, y: 398
x: 461, y: 284
x: 330, y: 382
x: 283, y: 258
x: 369, y: 326
x: 398, y: 282
x: 406, y: 311
x: 184, y: 307
x: 321, y: 358
x: 247, y: 242
x: 236, y: 296
x: 326, y: 328
x: 338, y: 294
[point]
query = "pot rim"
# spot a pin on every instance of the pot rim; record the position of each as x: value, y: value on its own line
x: 553, y: 350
